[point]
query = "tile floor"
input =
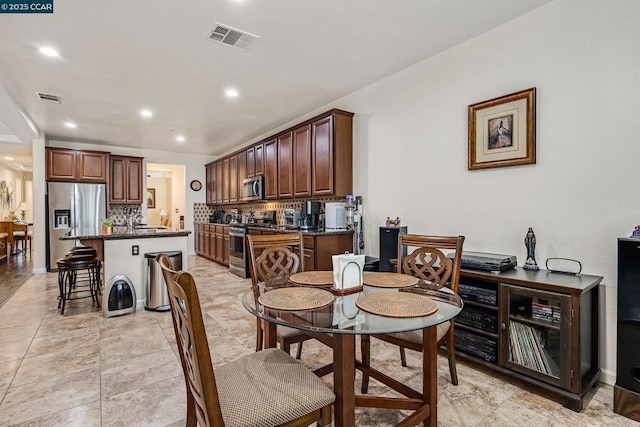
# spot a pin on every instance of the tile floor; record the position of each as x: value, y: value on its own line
x: 81, y: 369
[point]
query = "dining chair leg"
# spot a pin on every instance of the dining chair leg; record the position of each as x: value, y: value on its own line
x: 285, y: 346
x: 403, y: 357
x: 299, y: 351
x: 326, y: 416
x: 259, y: 334
x: 451, y: 355
x: 365, y: 351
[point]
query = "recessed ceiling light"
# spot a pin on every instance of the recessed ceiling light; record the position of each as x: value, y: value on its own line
x: 180, y: 138
x: 8, y: 158
x: 231, y: 93
x: 49, y: 51
x: 71, y: 125
x: 146, y: 113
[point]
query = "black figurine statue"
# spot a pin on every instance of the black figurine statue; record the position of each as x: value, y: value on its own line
x: 530, y: 243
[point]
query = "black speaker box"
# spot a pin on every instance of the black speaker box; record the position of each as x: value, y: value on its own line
x: 628, y: 359
x: 389, y: 246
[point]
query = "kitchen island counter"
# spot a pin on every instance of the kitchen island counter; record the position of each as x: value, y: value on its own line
x: 123, y: 251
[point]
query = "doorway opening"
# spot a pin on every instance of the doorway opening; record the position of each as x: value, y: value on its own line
x: 165, y: 201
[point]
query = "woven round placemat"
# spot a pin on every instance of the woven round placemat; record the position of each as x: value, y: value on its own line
x: 397, y: 304
x: 297, y: 298
x: 388, y: 280
x: 315, y: 278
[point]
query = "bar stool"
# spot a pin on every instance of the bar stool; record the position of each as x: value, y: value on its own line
x: 78, y: 277
x: 88, y: 250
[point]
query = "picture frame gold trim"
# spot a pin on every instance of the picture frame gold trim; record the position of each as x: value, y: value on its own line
x: 502, y: 131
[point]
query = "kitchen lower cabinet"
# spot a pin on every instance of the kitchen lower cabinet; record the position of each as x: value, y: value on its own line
x: 538, y: 327
x: 212, y: 241
x: 319, y: 249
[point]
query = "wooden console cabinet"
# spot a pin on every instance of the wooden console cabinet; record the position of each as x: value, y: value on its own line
x: 76, y: 165
x: 535, y: 326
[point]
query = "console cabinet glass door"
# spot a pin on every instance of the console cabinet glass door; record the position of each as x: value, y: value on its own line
x: 536, y: 330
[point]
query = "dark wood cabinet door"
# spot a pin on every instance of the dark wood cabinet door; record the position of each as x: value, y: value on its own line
x: 285, y: 166
x: 251, y: 162
x: 322, y: 156
x: 225, y: 249
x: 134, y: 180
x: 225, y: 180
x: 93, y: 166
x: 125, y: 184
x: 233, y: 178
x: 302, y: 161
x: 270, y: 169
x: 210, y: 184
x: 242, y: 170
x: 219, y: 182
x: 61, y: 164
x: 117, y: 183
x: 309, y: 260
x: 259, y: 159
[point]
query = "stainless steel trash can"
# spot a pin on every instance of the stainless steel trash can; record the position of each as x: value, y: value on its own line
x: 157, y: 297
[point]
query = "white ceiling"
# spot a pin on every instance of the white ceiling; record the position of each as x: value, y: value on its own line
x: 119, y: 57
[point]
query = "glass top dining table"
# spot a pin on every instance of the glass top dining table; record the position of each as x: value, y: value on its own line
x: 339, y: 322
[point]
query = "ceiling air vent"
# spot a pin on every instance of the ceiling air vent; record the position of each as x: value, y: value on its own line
x: 232, y: 36
x: 47, y: 97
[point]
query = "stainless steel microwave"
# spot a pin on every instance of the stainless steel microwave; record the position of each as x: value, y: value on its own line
x: 252, y: 188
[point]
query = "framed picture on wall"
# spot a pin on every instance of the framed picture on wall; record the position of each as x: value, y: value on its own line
x: 502, y: 131
x: 151, y: 198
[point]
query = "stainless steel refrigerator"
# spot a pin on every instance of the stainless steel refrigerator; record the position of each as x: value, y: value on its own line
x: 72, y: 206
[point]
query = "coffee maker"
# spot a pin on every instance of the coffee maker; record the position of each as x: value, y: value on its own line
x: 310, y: 215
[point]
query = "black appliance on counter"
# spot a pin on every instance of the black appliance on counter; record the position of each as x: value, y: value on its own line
x: 310, y: 215
x: 217, y: 217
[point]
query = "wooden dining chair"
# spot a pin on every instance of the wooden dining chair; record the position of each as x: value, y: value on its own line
x: 22, y: 234
x: 272, y: 259
x: 430, y: 264
x: 266, y: 388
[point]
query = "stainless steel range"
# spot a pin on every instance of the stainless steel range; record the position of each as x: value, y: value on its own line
x: 238, y: 251
x: 238, y: 255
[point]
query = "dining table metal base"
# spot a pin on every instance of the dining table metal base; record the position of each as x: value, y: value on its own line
x: 423, y: 404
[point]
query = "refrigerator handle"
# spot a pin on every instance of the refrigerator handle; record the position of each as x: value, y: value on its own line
x: 72, y: 219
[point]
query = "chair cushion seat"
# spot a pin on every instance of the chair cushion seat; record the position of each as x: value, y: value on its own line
x: 416, y: 336
x: 18, y: 233
x: 3, y: 235
x: 268, y: 388
x: 287, y: 332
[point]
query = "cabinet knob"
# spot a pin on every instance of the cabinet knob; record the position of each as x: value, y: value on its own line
x: 503, y: 326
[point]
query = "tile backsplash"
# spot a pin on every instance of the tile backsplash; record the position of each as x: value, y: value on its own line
x: 117, y: 214
x: 201, y: 211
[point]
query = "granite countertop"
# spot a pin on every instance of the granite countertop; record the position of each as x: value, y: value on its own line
x: 123, y: 233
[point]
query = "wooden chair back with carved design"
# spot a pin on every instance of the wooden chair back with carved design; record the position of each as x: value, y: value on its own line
x: 203, y: 405
x: 428, y: 260
x: 273, y: 258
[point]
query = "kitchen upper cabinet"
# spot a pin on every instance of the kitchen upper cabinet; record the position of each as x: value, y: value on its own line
x: 285, y: 166
x: 259, y: 159
x: 331, y: 155
x: 251, y: 162
x: 76, y: 166
x: 125, y: 185
x: 242, y: 170
x: 233, y: 178
x: 225, y: 180
x: 210, y: 170
x: 219, y: 182
x: 271, y: 169
x: 302, y: 161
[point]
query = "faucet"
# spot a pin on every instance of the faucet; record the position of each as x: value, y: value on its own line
x: 134, y: 218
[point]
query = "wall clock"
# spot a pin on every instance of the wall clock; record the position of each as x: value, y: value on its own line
x: 196, y: 185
